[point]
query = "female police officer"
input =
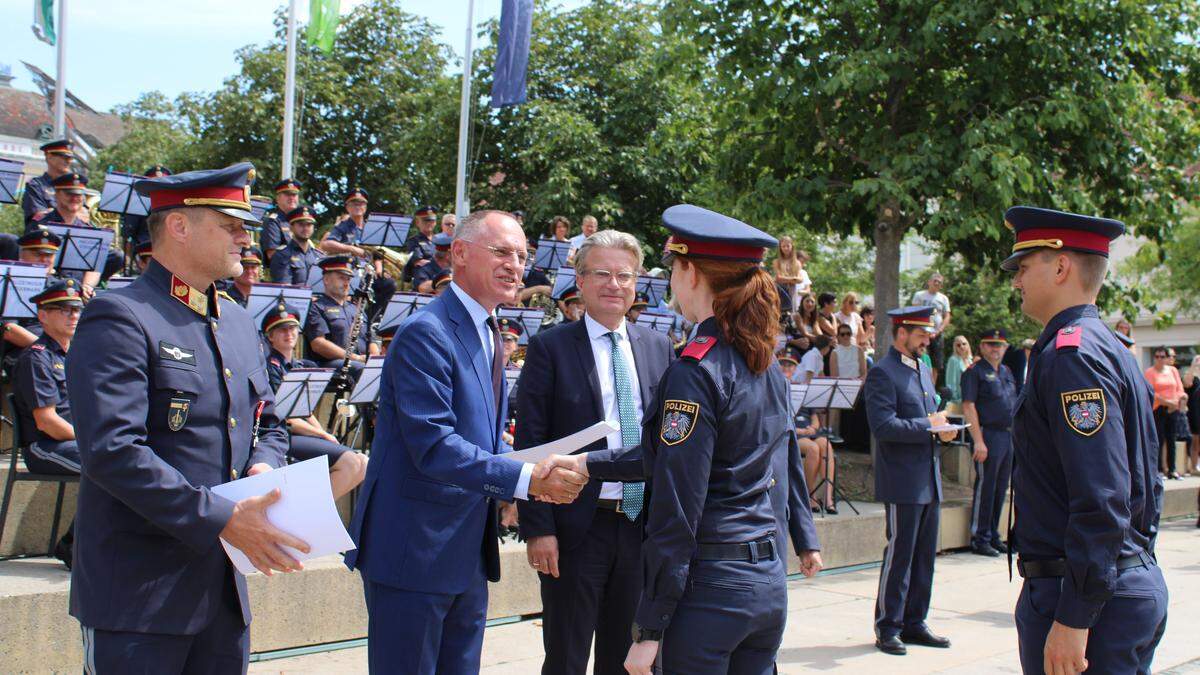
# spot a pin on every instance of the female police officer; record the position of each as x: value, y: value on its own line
x: 721, y: 453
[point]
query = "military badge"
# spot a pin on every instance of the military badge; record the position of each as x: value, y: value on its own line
x: 1085, y: 410
x: 168, y: 351
x: 678, y: 420
x: 177, y: 414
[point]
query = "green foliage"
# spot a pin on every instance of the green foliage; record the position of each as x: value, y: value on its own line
x: 12, y: 220
x: 981, y: 298
x: 1162, y: 274
x: 156, y: 133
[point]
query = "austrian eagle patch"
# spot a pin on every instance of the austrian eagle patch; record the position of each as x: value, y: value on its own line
x: 1085, y: 410
x: 678, y: 420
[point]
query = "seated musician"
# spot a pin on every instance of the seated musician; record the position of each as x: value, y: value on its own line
x: 298, y: 254
x: 535, y: 281
x: 142, y: 253
x: 571, y: 305
x: 37, y: 246
x: 423, y: 276
x: 640, y: 302
x: 441, y: 281
x: 386, y: 335
x: 70, y: 209
x: 40, y: 389
x: 816, y: 449
x: 511, y: 331
x: 239, y: 290
x: 331, y: 319
x: 308, y: 439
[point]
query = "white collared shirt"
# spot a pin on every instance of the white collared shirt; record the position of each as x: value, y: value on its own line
x: 602, y: 347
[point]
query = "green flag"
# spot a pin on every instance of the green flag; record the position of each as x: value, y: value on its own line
x: 43, y: 20
x: 322, y: 24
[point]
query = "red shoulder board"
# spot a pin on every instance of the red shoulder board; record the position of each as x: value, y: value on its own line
x: 37, y: 347
x: 696, y: 349
x: 1071, y: 336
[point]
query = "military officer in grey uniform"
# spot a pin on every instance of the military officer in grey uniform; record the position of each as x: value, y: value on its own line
x: 295, y: 259
x: 170, y: 399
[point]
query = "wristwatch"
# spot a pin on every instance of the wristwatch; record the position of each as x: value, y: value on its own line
x: 644, y: 634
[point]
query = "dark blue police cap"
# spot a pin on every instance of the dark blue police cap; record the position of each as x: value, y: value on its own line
x: 700, y: 233
x: 426, y: 212
x: 279, y: 316
x: 918, y: 317
x: 70, y: 182
x: 994, y: 335
x: 288, y: 185
x: 356, y: 194
x: 59, y: 293
x: 789, y: 353
x: 442, y: 278
x: 40, y: 239
x: 640, y: 301
x: 303, y: 212
x: 510, y: 328
x: 386, y: 335
x: 336, y: 263
x: 1058, y: 230
x: 59, y: 146
x: 226, y: 190
x: 442, y: 241
x: 157, y: 170
x: 251, y: 255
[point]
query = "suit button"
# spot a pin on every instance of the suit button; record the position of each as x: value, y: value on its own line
x: 228, y: 373
x: 232, y: 422
x: 772, y: 482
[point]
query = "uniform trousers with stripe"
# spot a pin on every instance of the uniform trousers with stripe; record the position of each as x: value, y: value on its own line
x: 991, y: 487
x: 906, y: 578
x: 58, y: 458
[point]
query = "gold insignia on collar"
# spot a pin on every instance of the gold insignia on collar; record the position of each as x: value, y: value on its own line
x: 196, y: 300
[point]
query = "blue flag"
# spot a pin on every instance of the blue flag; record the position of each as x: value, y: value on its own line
x: 512, y: 53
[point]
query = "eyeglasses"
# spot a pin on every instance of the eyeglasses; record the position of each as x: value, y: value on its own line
x: 1160, y: 356
x: 624, y: 279
x: 503, y: 252
x: 68, y: 311
x: 844, y: 334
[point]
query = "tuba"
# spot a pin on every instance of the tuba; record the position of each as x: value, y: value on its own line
x: 393, y: 261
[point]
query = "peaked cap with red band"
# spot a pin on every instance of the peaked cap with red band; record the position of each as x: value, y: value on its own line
x: 301, y: 213
x: 61, y: 146
x: 699, y: 233
x: 288, y: 185
x: 70, y: 182
x: 279, y: 316
x: 40, y: 239
x: 1058, y: 230
x: 63, y: 293
x: 510, y: 328
x: 341, y: 264
x: 226, y: 190
x: 994, y: 335
x: 912, y: 317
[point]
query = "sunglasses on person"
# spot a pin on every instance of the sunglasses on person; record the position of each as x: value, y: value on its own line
x: 844, y: 333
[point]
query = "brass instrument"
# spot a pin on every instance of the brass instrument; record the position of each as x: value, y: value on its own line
x: 393, y: 261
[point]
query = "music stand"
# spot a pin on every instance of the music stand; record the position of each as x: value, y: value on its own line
x: 400, y: 307
x: 118, y: 195
x: 83, y: 249
x: 530, y: 318
x: 551, y: 254
x: 563, y: 279
x: 259, y: 206
x: 663, y: 323
x: 315, y: 280
x: 300, y: 391
x: 511, y: 375
x: 11, y: 174
x: 265, y: 297
x: 654, y: 288
x: 20, y: 281
x: 829, y: 393
x: 366, y: 390
x: 385, y: 229
x: 114, y: 283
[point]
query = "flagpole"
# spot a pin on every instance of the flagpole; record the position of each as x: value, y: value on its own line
x: 289, y: 94
x: 461, y: 207
x: 60, y: 85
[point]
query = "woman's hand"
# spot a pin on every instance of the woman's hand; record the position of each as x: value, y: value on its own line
x: 640, y: 660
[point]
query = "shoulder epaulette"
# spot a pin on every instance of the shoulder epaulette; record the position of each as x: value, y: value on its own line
x: 227, y: 296
x: 1071, y: 336
x: 37, y: 347
x: 696, y: 349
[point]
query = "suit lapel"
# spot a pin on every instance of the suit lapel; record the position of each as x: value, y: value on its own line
x: 468, y: 337
x: 641, y: 363
x: 587, y: 364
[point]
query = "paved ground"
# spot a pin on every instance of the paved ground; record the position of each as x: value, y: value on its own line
x: 829, y: 626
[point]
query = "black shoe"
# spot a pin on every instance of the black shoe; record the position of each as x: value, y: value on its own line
x: 62, y: 551
x: 1000, y: 546
x: 891, y: 645
x: 985, y: 550
x: 921, y: 635
x: 831, y: 510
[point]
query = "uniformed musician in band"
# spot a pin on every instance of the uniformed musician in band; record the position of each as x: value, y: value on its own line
x: 299, y: 255
x: 38, y: 246
x: 419, y: 244
x: 134, y: 227
x: 38, y: 197
x: 343, y: 239
x: 239, y: 290
x: 276, y: 224
x: 423, y: 278
x: 330, y: 320
x: 70, y: 209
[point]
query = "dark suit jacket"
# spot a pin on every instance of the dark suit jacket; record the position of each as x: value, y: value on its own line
x: 559, y: 394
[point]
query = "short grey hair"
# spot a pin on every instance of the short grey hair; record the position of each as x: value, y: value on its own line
x: 609, y: 239
x: 469, y: 228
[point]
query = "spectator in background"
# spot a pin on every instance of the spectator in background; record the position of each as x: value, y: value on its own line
x: 789, y: 272
x: 932, y: 296
x: 449, y: 222
x: 849, y: 316
x: 806, y: 318
x: 1191, y: 385
x: 1169, y: 398
x: 958, y: 362
x: 1125, y: 328
x: 866, y: 337
x: 812, y: 363
x: 560, y: 228
x: 848, y: 360
x: 826, y: 321
x: 589, y: 227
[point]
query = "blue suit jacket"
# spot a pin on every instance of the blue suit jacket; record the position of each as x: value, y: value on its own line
x: 899, y: 400
x: 558, y: 395
x: 427, y: 510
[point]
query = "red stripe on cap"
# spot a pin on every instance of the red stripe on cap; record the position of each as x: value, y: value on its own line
x: 716, y: 249
x: 161, y: 199
x: 1076, y: 239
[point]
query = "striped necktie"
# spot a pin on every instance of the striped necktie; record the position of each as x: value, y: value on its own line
x: 631, y: 434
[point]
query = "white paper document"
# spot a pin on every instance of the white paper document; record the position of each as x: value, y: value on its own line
x: 305, y: 509
x: 947, y: 427
x: 565, y: 445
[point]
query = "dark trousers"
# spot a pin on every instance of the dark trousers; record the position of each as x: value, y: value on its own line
x: 729, y: 620
x: 59, y: 458
x: 597, y: 591
x: 425, y: 633
x: 307, y: 447
x: 991, y: 487
x: 1125, y: 636
x: 906, y: 578
x: 1166, y: 440
x: 223, y: 647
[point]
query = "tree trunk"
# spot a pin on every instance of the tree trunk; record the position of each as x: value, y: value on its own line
x: 889, y: 232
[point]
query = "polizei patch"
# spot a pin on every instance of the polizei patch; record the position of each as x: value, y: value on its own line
x: 678, y: 420
x: 1085, y: 410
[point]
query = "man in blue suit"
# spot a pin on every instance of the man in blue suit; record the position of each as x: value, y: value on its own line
x: 426, y: 524
x: 901, y: 409
x: 603, y: 368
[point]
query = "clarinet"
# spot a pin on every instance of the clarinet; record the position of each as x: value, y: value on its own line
x: 342, y: 379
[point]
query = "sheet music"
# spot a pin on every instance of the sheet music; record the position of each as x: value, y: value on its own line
x: 301, y: 390
x: 551, y: 254
x: 265, y: 298
x: 530, y: 318
x: 20, y: 281
x: 385, y: 229
x: 563, y: 279
x: 366, y: 390
x: 84, y: 249
x: 401, y: 306
x: 654, y: 288
x: 118, y: 195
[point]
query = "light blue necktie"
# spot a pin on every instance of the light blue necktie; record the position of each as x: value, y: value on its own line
x: 631, y: 493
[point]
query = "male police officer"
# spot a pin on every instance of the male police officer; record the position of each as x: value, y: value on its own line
x: 38, y: 198
x: 1084, y: 471
x: 419, y: 244
x: 988, y: 394
x: 294, y: 260
x: 423, y: 278
x: 36, y: 246
x: 343, y: 238
x: 69, y: 209
x: 276, y: 224
x: 134, y: 228
x: 331, y: 318
x: 239, y: 290
x: 901, y: 410
x: 166, y: 401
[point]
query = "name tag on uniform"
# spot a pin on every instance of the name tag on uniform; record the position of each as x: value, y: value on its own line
x: 334, y: 312
x: 171, y: 352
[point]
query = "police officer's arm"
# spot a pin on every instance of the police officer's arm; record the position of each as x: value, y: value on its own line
x: 107, y: 385
x: 36, y: 387
x: 801, y: 527
x: 535, y: 405
x: 281, y: 270
x: 17, y: 335
x: 970, y: 392
x: 881, y: 412
x: 34, y: 202
x: 681, y: 471
x: 333, y: 244
x: 1095, y: 463
x: 316, y: 329
x: 273, y: 443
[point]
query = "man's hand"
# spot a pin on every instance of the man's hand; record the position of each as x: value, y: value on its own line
x: 640, y: 660
x: 981, y: 451
x: 422, y: 262
x: 810, y: 563
x: 937, y: 419
x: 1065, y: 650
x: 542, y: 553
x: 947, y: 436
x: 560, y: 486
x: 576, y: 463
x: 508, y: 514
x: 250, y: 532
x: 261, y: 467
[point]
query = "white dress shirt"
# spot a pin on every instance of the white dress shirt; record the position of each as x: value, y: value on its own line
x: 602, y: 347
x: 479, y: 317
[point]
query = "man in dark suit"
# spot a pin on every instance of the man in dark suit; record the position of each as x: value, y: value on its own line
x: 602, y: 368
x: 426, y: 523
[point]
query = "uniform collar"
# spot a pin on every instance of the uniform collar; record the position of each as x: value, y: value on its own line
x: 708, y: 327
x: 1061, y: 320
x: 275, y: 354
x: 195, y: 299
x: 904, y: 359
x: 51, y: 344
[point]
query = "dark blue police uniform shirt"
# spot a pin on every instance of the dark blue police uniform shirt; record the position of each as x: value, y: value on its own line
x: 347, y: 232
x: 291, y: 263
x: 41, y: 381
x: 993, y: 391
x: 279, y: 365
x: 426, y: 272
x: 275, y: 230
x: 39, y: 194
x: 327, y: 319
x: 419, y: 246
x: 1084, y: 472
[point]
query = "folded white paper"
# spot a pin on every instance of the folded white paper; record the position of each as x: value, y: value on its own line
x: 305, y: 509
x: 565, y: 445
x: 948, y: 427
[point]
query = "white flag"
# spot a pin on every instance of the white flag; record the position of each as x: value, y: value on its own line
x: 43, y: 20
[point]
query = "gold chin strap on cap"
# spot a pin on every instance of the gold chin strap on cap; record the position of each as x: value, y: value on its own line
x: 681, y: 249
x: 1037, y: 243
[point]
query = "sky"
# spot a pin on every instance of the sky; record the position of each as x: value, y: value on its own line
x: 117, y: 49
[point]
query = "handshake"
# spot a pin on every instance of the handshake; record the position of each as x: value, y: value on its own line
x: 559, y: 479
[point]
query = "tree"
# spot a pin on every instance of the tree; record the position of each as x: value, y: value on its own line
x: 887, y: 116
x: 156, y: 133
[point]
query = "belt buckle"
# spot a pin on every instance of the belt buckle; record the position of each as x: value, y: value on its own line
x: 753, y: 552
